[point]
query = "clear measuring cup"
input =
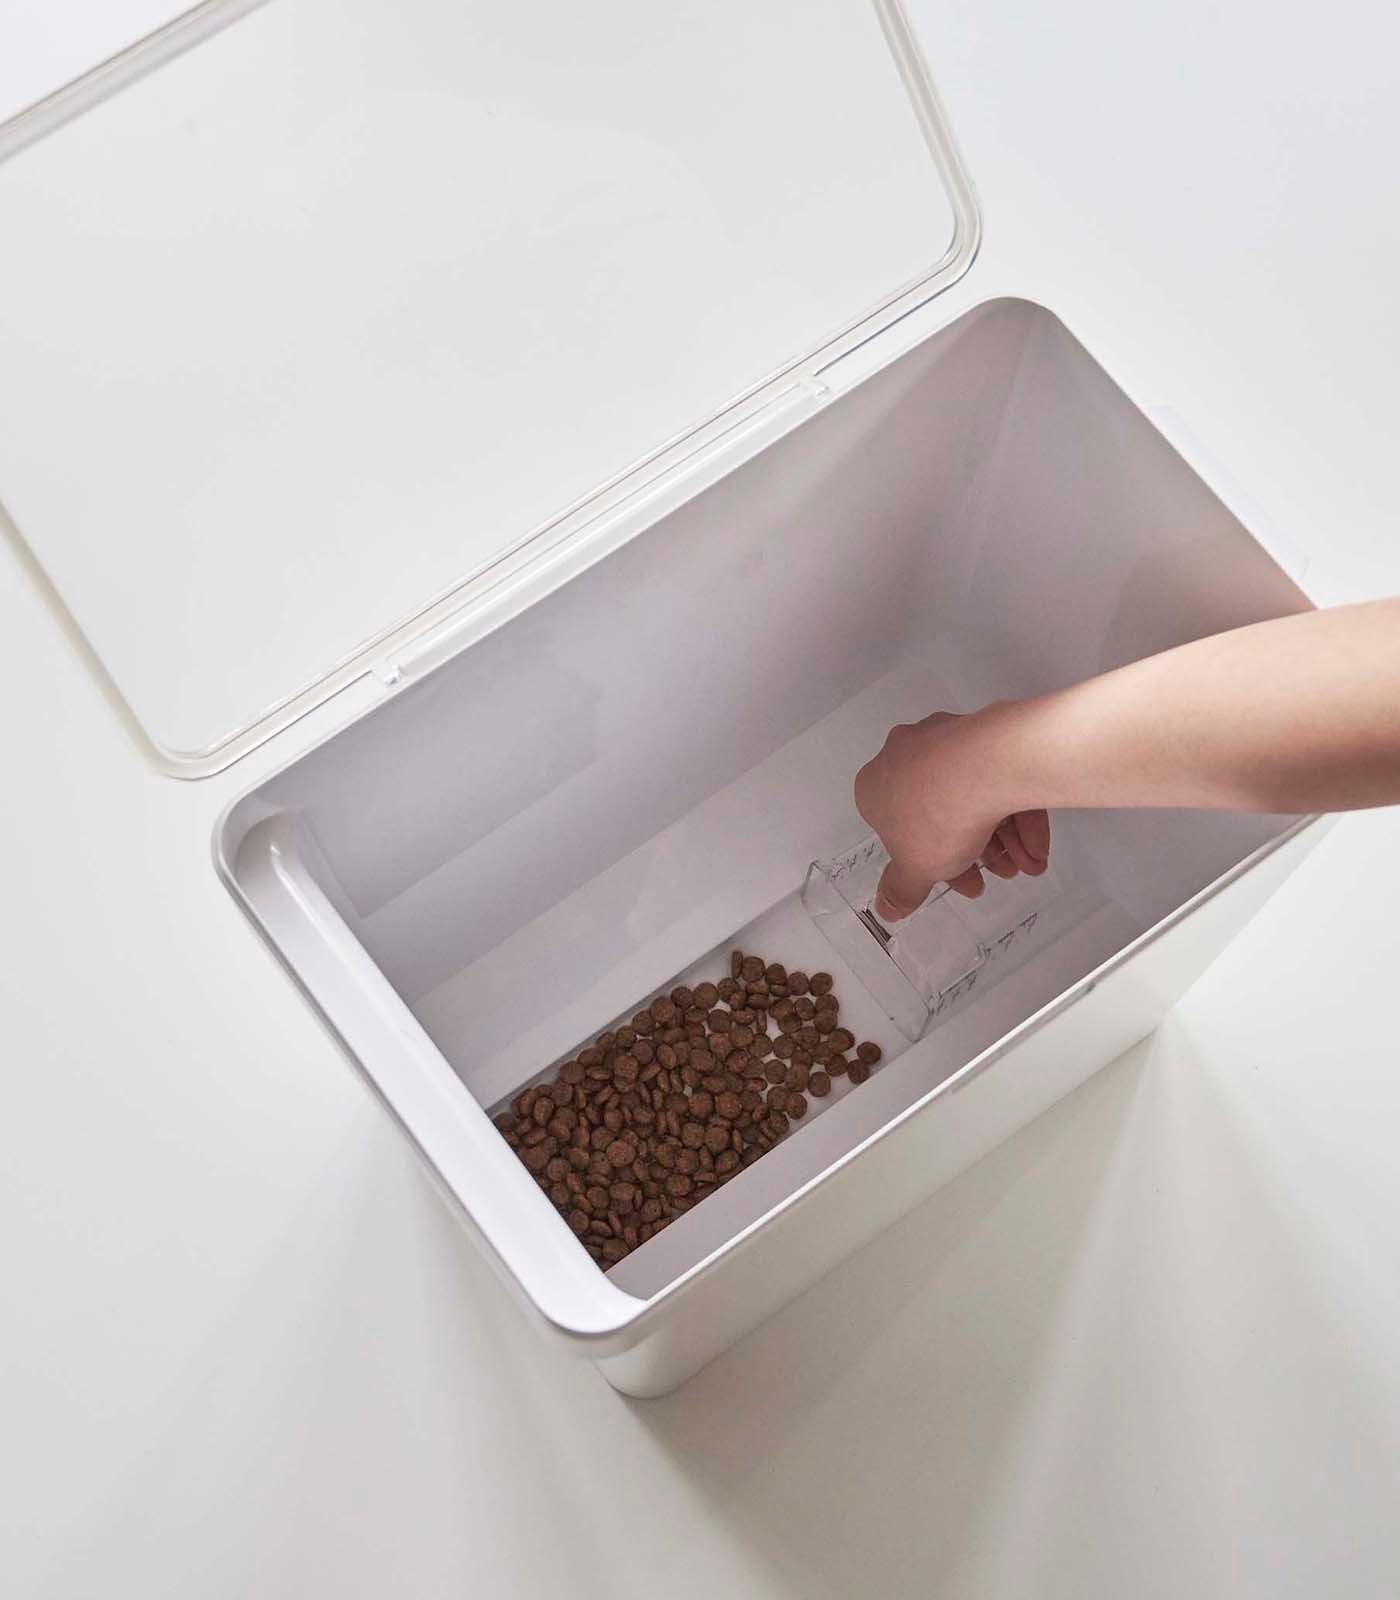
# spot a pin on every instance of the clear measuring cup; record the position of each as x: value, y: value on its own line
x: 921, y: 968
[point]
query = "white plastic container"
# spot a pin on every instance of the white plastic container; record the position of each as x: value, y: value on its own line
x: 638, y: 768
x: 612, y: 745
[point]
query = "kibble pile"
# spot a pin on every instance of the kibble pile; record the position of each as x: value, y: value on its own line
x: 655, y: 1115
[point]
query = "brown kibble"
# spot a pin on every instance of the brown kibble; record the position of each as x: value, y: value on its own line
x: 650, y: 1118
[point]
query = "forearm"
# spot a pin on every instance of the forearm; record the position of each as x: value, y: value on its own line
x: 1296, y: 715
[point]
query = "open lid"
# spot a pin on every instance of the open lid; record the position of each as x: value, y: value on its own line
x: 337, y: 304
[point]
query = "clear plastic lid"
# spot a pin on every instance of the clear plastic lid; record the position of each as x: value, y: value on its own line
x: 313, y: 314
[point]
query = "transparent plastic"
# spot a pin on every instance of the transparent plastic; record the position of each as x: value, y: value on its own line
x: 919, y: 970
x: 324, y: 309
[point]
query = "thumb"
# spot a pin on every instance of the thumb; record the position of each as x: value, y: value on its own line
x: 900, y: 893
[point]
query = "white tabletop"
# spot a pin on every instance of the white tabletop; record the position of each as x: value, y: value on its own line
x: 1145, y: 1349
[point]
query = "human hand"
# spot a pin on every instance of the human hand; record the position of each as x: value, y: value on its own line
x: 935, y: 795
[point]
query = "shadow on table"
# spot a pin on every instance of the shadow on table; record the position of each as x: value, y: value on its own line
x: 869, y: 1428
x: 1076, y: 1370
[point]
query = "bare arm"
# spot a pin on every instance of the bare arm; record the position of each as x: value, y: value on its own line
x: 1296, y: 715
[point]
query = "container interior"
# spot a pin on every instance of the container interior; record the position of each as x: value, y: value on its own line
x: 602, y: 796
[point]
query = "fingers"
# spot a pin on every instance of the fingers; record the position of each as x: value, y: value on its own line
x: 997, y: 858
x: 1020, y: 844
x: 1031, y: 830
x: 900, y: 893
x: 969, y: 884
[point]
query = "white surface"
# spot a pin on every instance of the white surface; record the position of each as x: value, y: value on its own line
x: 318, y: 306
x: 1146, y: 1349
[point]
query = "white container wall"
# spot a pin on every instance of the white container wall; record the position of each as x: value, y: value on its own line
x: 634, y: 772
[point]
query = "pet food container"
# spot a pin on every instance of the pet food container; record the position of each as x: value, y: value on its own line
x: 535, y: 446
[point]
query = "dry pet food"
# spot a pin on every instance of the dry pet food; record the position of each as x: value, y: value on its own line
x: 654, y: 1115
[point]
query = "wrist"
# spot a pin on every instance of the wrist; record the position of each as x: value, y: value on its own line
x: 982, y: 766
